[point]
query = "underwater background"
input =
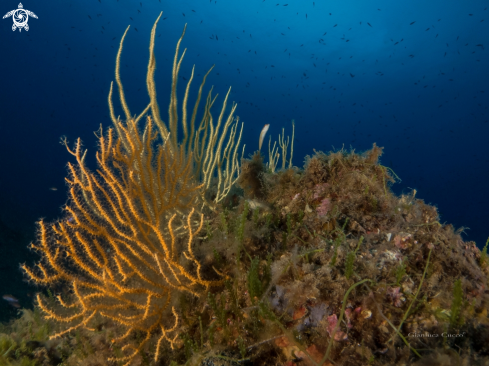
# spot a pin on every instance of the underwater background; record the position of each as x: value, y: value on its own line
x: 410, y: 76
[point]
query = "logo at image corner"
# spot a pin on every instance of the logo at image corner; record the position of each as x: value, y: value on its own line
x: 20, y: 17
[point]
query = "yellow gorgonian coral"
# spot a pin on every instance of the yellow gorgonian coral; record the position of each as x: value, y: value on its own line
x: 117, y: 248
x: 213, y: 142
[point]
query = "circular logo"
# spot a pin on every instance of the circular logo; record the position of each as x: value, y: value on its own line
x: 20, y: 18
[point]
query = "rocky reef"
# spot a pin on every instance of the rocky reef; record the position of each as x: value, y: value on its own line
x: 323, y: 265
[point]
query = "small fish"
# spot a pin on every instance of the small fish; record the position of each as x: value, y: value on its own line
x: 369, y: 25
x: 254, y: 204
x: 262, y: 135
x: 53, y: 189
x: 12, y: 300
x: 412, y: 23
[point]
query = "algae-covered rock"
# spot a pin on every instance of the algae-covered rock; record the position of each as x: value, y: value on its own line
x: 320, y: 266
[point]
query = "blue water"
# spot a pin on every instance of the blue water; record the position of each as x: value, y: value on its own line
x: 411, y: 76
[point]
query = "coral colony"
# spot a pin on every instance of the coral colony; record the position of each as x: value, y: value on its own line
x: 178, y: 251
